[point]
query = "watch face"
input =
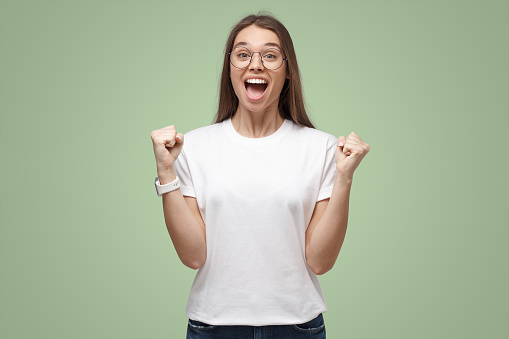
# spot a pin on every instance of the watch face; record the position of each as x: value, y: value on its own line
x: 157, y: 186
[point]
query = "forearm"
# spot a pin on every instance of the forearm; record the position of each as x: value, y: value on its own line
x: 325, y: 242
x: 185, y: 231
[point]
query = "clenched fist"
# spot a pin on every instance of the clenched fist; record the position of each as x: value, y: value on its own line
x: 167, y: 146
x: 349, y: 153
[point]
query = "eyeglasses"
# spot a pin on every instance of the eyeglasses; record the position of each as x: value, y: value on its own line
x: 241, y: 57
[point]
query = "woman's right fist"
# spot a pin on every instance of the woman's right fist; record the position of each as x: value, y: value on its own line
x: 167, y: 146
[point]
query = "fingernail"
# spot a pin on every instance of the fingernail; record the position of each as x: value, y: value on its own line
x: 340, y: 143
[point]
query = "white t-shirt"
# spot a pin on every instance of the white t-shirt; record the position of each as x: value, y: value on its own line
x: 256, y: 197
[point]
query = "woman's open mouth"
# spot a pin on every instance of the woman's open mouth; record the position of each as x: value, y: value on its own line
x: 255, y: 88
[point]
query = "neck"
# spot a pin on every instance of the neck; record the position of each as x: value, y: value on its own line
x: 257, y: 124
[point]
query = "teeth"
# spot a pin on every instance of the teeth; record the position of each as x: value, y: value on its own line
x: 256, y: 81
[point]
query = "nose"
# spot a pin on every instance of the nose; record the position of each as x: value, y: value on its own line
x: 256, y: 62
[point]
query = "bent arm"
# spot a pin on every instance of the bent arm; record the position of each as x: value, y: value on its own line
x: 327, y: 229
x: 187, y: 232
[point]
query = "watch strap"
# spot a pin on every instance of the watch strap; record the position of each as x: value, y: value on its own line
x: 161, y: 189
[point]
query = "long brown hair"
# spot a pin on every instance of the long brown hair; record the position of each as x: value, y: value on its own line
x: 291, y: 101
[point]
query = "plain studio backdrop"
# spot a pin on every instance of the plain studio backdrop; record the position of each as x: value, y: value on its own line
x: 84, y: 250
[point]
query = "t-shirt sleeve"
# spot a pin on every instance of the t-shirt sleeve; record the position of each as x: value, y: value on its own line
x: 329, y: 171
x: 182, y: 170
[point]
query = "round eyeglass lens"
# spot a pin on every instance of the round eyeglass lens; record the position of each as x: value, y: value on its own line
x: 240, y: 57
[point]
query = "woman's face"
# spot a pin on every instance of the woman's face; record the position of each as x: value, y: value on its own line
x: 257, y: 96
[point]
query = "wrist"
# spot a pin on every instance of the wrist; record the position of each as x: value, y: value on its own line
x: 162, y: 188
x: 166, y: 175
x: 165, y: 169
x: 344, y: 178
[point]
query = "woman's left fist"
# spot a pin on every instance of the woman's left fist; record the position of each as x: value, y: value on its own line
x: 349, y: 153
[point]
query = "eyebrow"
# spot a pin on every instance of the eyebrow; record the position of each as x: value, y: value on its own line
x: 270, y: 44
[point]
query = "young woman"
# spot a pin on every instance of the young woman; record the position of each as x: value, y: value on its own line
x: 257, y: 201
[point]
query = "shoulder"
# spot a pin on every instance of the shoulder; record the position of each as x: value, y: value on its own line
x: 314, y: 135
x: 197, y: 136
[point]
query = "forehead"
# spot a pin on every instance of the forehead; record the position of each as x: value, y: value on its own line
x: 257, y: 37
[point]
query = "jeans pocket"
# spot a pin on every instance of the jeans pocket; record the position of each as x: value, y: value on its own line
x: 313, y: 326
x: 198, y: 325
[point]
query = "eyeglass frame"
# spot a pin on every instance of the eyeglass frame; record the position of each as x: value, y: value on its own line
x: 261, y: 59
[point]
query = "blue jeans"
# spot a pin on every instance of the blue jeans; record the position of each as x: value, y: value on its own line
x: 314, y: 328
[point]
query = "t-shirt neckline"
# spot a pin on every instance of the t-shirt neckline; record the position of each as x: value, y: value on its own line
x: 285, y: 127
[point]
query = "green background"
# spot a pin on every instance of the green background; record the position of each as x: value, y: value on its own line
x: 84, y: 251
